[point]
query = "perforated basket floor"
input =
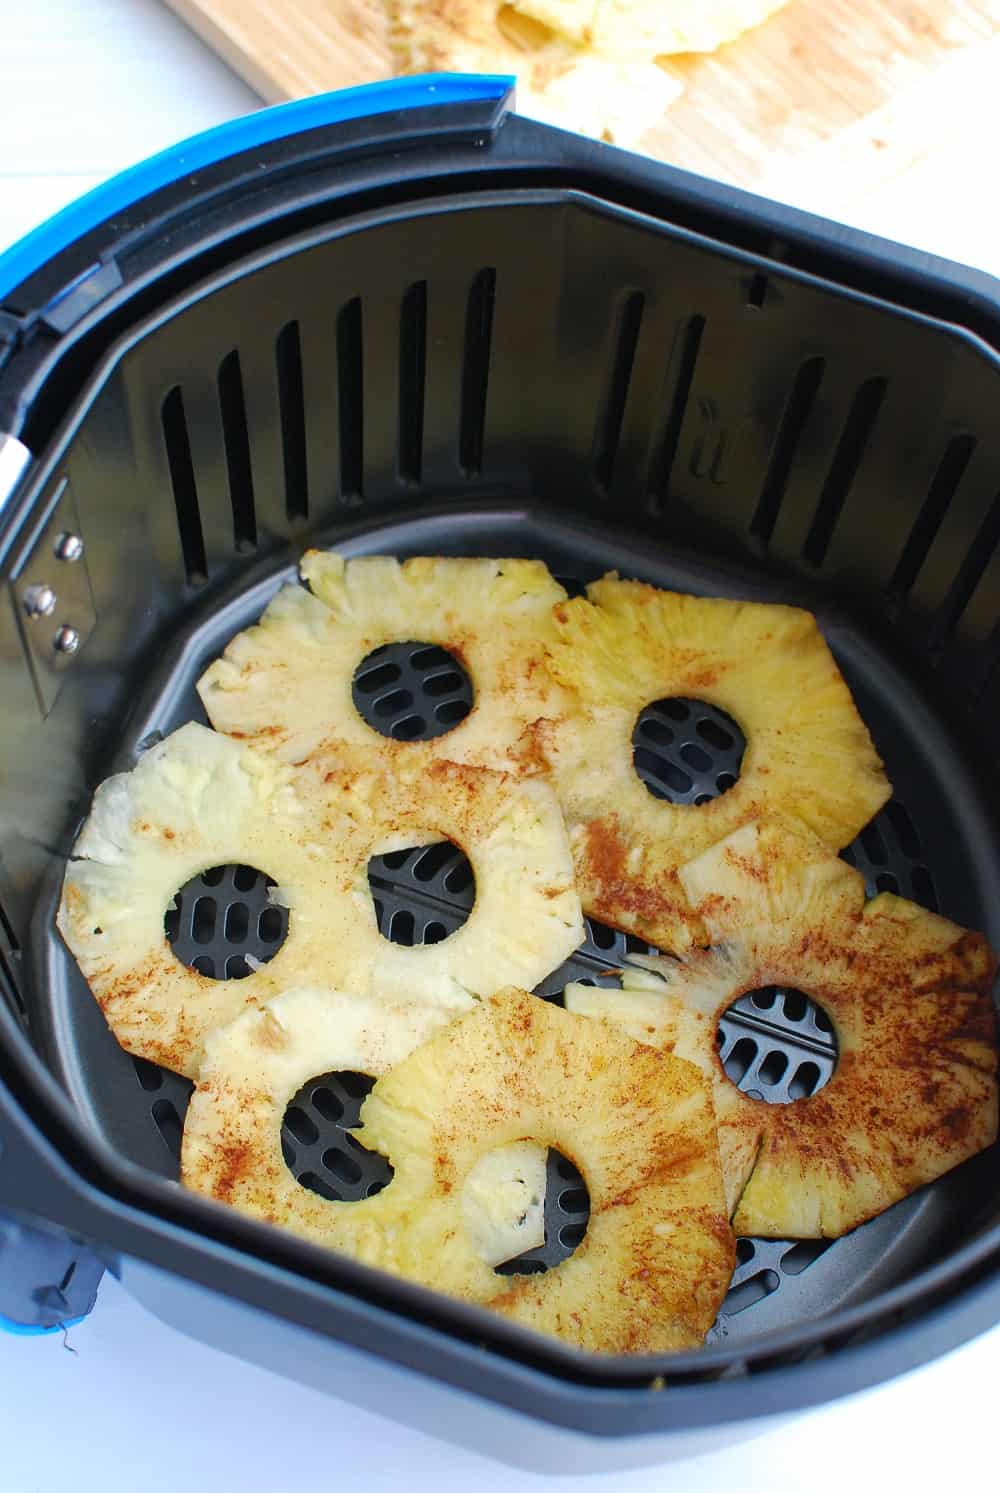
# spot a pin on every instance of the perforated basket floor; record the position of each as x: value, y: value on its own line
x: 774, y: 1043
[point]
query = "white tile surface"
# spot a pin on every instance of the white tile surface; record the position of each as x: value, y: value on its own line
x: 90, y: 86
x: 140, y: 1409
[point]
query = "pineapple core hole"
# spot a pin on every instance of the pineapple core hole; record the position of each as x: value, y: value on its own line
x: 565, y: 1213
x: 411, y: 691
x: 423, y: 894
x: 316, y: 1141
x: 227, y: 922
x: 687, y: 751
x: 777, y: 1045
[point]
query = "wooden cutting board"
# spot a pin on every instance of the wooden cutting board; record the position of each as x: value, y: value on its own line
x: 859, y: 89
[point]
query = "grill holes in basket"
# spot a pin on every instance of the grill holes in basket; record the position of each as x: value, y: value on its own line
x: 316, y: 1140
x: 749, y: 1292
x: 181, y: 467
x: 223, y: 919
x: 687, y: 751
x: 412, y: 380
x: 777, y: 1045
x: 411, y: 691
x: 326, y: 1158
x: 889, y: 855
x: 476, y: 370
x: 439, y: 874
x: 236, y: 439
x: 567, y: 1211
x: 292, y: 411
x: 608, y: 426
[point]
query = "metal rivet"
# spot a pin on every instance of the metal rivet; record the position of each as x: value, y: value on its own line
x: 66, y: 640
x: 69, y: 547
x: 39, y: 601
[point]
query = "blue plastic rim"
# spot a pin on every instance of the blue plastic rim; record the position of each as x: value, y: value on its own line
x: 251, y: 130
x: 20, y: 1329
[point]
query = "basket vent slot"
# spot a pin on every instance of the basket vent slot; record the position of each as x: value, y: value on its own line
x: 607, y: 431
x: 972, y: 570
x: 412, y: 380
x: 182, y: 480
x: 236, y: 438
x: 476, y: 370
x: 944, y: 485
x: 846, y: 460
x: 350, y: 392
x: 793, y: 422
x: 291, y: 405
x: 663, y: 466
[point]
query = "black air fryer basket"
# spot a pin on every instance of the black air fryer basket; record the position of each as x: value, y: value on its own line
x: 404, y: 320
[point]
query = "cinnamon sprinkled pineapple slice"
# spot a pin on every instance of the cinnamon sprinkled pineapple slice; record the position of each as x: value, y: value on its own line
x: 657, y: 1257
x: 915, y: 1090
x: 254, y: 1067
x: 808, y: 757
x: 286, y: 683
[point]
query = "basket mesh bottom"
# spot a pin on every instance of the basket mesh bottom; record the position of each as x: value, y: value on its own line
x: 774, y: 1043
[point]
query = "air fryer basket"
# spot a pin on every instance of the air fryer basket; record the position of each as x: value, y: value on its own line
x: 456, y: 332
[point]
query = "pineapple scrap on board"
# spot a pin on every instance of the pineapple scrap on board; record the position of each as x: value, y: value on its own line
x: 199, y: 799
x: 908, y: 993
x: 808, y: 756
x: 253, y: 1068
x: 656, y: 1261
x: 559, y: 81
x: 625, y: 29
x: 285, y: 684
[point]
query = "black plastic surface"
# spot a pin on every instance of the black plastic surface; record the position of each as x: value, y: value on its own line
x: 626, y: 396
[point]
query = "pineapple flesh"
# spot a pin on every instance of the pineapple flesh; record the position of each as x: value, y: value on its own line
x: 658, y: 1254
x: 199, y: 799
x: 285, y: 684
x: 252, y: 1070
x: 526, y: 918
x: 808, y: 754
x: 915, y: 1088
x: 193, y: 801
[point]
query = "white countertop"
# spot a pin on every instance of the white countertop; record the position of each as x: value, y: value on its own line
x: 90, y: 86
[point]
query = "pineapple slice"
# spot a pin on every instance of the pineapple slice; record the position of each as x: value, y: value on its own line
x: 199, y: 799
x: 251, y: 1071
x: 808, y: 755
x: 285, y: 684
x: 658, y: 1254
x: 195, y: 800
x: 526, y: 919
x: 915, y: 1089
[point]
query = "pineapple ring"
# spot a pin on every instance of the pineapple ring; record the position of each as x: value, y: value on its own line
x: 286, y: 684
x: 808, y: 754
x: 200, y: 799
x: 658, y: 1254
x: 914, y: 1091
x: 252, y: 1070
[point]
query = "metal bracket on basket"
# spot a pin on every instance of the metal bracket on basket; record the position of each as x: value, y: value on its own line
x: 52, y: 596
